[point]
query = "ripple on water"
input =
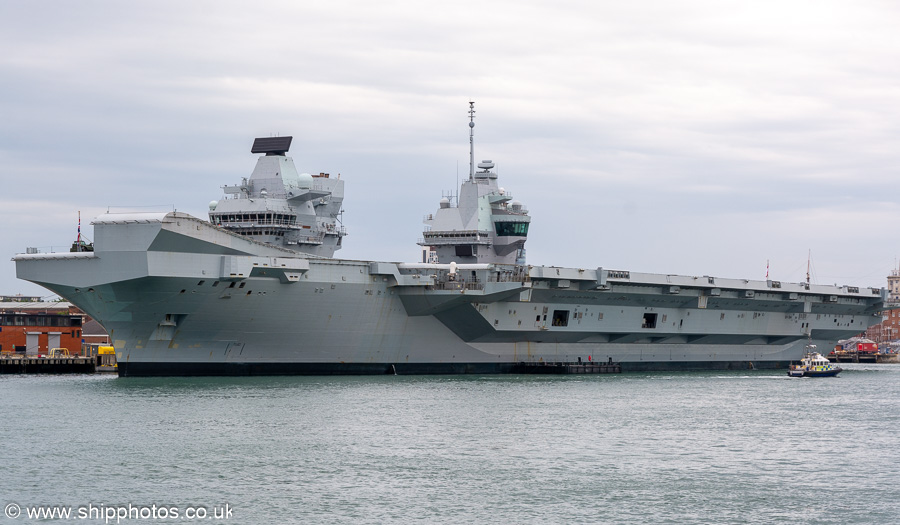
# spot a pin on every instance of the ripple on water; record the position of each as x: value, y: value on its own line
x: 633, y: 448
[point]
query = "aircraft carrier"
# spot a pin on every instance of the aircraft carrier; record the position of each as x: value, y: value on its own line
x: 256, y: 290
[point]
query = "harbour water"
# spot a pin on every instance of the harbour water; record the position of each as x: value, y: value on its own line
x: 718, y: 447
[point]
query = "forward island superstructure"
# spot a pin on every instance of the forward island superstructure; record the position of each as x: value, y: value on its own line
x: 255, y: 290
x: 279, y: 206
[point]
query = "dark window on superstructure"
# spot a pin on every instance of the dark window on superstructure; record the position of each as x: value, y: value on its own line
x: 464, y: 250
x: 649, y: 321
x: 560, y: 318
x: 519, y: 229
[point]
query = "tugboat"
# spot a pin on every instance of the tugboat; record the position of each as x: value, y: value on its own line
x: 814, y: 364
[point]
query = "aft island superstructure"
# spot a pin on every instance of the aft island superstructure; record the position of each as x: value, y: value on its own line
x: 256, y: 291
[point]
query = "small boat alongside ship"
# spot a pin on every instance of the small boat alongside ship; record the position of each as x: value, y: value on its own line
x: 814, y: 364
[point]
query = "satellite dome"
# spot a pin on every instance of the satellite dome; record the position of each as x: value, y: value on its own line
x: 445, y: 202
x: 212, y: 205
x: 304, y: 181
x: 263, y: 193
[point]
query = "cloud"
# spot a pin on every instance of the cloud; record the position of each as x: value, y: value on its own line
x: 690, y: 137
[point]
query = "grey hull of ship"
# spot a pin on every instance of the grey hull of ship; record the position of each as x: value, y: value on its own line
x: 184, y: 298
x: 257, y: 330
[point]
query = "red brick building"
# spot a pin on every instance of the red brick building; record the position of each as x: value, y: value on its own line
x: 36, y: 328
x: 889, y: 328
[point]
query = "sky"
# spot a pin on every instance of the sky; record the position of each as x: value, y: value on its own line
x: 693, y: 137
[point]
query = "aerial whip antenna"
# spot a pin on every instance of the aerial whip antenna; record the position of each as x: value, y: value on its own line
x: 471, y: 140
x: 808, y: 258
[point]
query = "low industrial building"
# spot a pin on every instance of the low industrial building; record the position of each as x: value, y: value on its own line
x: 35, y: 328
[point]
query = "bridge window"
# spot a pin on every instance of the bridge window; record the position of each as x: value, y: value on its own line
x: 649, y: 321
x: 511, y: 228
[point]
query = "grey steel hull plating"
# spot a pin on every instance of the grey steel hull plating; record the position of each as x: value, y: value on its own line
x: 181, y: 297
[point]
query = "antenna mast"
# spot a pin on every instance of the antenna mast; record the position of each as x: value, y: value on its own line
x: 808, y: 257
x: 471, y: 140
